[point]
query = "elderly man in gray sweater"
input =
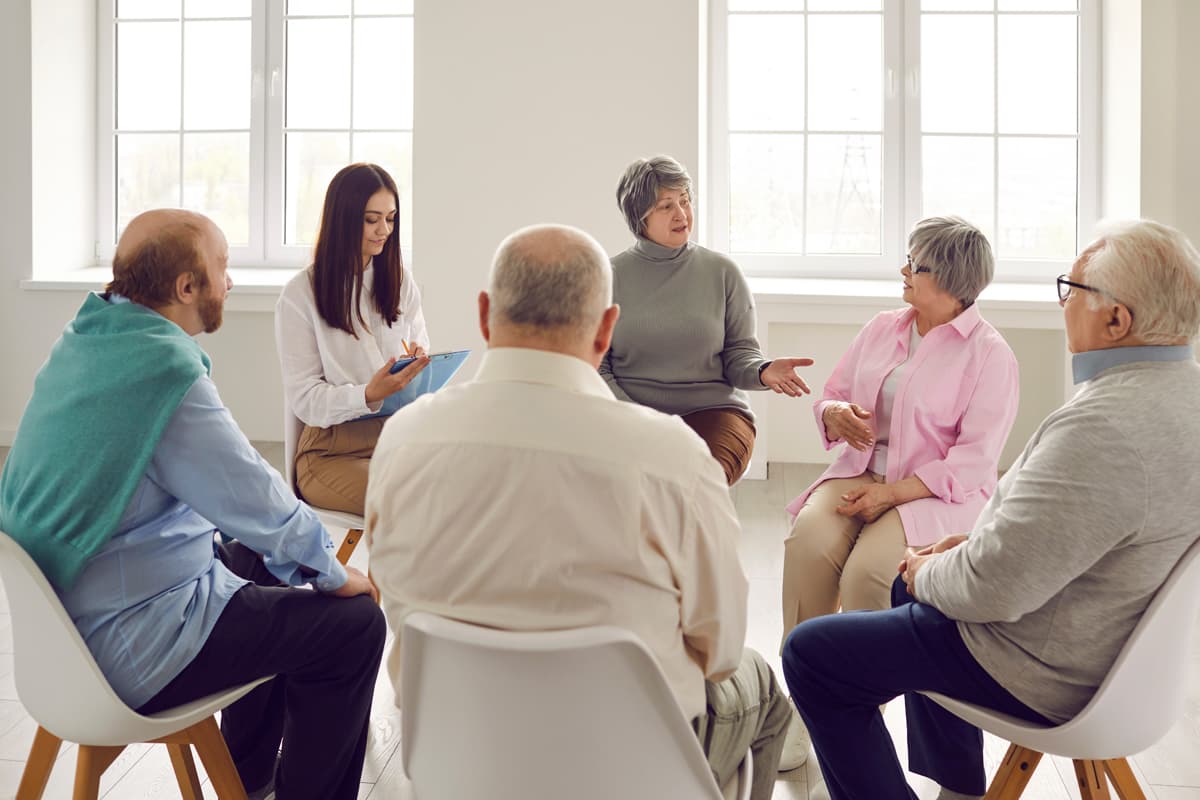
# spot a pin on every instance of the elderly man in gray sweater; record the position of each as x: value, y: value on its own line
x: 1027, y: 613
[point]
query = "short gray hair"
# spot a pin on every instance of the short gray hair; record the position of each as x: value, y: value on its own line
x: 957, y: 253
x: 637, y: 191
x: 1154, y: 270
x: 551, y: 279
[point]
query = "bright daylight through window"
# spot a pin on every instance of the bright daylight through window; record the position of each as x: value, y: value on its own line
x: 244, y: 109
x: 839, y: 123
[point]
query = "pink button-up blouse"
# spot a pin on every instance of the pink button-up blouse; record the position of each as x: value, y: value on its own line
x: 954, y: 407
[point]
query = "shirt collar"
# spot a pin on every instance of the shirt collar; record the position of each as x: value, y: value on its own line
x: 1087, y: 365
x: 964, y: 323
x: 525, y: 365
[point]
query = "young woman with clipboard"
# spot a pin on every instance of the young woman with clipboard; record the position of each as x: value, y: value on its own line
x: 340, y: 326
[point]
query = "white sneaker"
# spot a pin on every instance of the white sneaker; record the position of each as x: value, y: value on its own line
x: 795, y: 745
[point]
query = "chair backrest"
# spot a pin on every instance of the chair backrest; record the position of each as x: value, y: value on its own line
x: 1146, y: 689
x: 507, y: 715
x: 57, y: 679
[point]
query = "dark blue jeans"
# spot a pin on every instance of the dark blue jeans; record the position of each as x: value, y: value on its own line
x: 840, y: 668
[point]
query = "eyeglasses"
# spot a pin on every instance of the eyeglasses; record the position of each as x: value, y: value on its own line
x: 915, y: 268
x: 1065, y: 285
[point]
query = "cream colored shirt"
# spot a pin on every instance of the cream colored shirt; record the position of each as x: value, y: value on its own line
x: 531, y: 499
x: 326, y: 370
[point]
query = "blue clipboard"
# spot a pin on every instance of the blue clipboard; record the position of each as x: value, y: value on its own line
x: 437, y: 373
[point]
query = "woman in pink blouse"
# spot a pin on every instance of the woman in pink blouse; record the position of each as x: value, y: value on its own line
x: 924, y: 400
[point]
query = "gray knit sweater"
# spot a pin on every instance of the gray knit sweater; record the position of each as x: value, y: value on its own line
x: 685, y: 340
x: 1080, y: 534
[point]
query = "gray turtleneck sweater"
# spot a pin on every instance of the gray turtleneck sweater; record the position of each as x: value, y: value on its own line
x: 685, y: 340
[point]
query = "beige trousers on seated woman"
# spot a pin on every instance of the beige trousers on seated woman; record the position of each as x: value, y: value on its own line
x: 331, y: 463
x: 829, y: 558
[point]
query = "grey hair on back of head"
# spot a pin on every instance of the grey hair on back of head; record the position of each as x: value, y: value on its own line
x: 637, y: 191
x: 958, y: 254
x: 551, y: 279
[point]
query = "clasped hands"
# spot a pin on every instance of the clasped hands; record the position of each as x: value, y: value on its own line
x: 913, y: 560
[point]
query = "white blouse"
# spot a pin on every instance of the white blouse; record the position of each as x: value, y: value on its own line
x: 326, y: 370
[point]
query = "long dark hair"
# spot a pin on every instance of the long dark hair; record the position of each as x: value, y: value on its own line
x: 337, y: 260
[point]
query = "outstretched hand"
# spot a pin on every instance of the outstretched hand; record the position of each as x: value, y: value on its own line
x: 780, y: 376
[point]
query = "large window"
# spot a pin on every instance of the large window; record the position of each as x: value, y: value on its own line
x: 836, y: 124
x: 244, y: 109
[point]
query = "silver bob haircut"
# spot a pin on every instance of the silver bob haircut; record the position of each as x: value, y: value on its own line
x: 551, y: 279
x: 638, y: 190
x: 957, y: 253
x: 1152, y: 269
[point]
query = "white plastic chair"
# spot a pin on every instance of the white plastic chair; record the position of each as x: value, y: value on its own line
x: 64, y: 691
x: 582, y: 713
x: 1138, y: 702
x: 333, y: 520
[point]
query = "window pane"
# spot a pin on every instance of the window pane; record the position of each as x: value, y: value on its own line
x: 845, y: 5
x: 147, y: 174
x: 1038, y: 5
x: 766, y: 72
x: 148, y: 75
x: 844, y: 203
x: 216, y: 75
x: 958, y: 178
x: 845, y: 90
x: 383, y: 73
x: 957, y: 5
x: 216, y: 8
x: 310, y: 8
x: 318, y: 73
x: 216, y: 181
x: 766, y: 5
x: 1038, y: 74
x: 383, y: 6
x: 393, y: 152
x: 148, y: 9
x: 311, y: 160
x: 766, y: 203
x: 957, y: 74
x: 1037, y: 199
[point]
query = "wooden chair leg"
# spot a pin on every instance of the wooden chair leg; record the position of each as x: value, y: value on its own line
x: 185, y: 771
x: 1015, y: 771
x: 1089, y: 775
x: 210, y: 745
x: 348, y: 544
x: 93, y: 760
x: 1121, y: 775
x: 37, y: 768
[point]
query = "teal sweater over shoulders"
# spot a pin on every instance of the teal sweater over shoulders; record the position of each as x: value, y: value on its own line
x: 99, y: 407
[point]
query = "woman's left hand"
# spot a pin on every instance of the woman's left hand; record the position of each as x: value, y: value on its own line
x: 868, y: 503
x: 780, y: 376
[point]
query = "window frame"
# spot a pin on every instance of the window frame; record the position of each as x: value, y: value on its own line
x: 266, y: 248
x: 901, y: 191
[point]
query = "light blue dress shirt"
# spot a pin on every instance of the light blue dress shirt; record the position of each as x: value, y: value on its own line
x: 148, y: 601
x: 1090, y: 363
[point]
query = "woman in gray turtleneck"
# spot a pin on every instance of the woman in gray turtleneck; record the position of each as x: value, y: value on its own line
x: 685, y: 342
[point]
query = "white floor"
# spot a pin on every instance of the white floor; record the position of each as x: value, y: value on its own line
x: 1168, y: 771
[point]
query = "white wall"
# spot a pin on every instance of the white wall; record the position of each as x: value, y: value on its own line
x: 526, y: 111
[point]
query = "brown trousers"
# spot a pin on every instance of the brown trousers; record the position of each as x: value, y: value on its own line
x: 331, y: 463
x: 729, y: 434
x: 829, y: 558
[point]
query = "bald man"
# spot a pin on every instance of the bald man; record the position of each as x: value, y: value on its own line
x: 125, y: 465
x: 531, y: 499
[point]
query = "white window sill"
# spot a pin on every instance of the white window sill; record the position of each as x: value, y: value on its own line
x: 253, y: 289
x: 779, y: 300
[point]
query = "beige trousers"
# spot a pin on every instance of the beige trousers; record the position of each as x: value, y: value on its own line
x: 830, y: 559
x: 332, y: 463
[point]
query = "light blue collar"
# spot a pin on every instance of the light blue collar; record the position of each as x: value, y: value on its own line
x: 1085, y: 366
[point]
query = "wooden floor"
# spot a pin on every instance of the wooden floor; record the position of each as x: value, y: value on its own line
x: 1168, y: 771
